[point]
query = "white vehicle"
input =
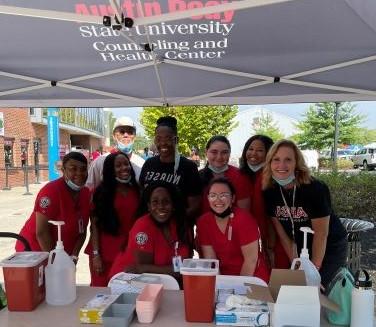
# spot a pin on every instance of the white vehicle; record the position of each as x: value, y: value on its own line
x: 341, y: 154
x: 365, y: 158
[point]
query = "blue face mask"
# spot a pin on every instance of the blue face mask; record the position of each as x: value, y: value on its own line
x: 255, y: 168
x: 125, y: 148
x: 284, y: 182
x: 73, y: 186
x: 216, y: 170
x: 124, y: 181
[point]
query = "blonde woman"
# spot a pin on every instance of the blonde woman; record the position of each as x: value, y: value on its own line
x: 295, y: 199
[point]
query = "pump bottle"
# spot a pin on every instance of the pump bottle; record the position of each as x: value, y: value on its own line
x: 362, y: 301
x: 60, y: 274
x: 312, y: 275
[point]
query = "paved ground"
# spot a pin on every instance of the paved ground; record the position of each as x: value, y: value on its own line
x: 15, y: 208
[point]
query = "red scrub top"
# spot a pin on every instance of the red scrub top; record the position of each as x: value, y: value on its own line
x: 147, y: 237
x: 257, y: 207
x: 110, y: 245
x: 55, y: 201
x: 228, y: 252
x: 237, y: 180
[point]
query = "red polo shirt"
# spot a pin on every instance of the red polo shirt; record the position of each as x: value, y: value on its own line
x: 147, y: 237
x: 228, y: 252
x: 55, y: 201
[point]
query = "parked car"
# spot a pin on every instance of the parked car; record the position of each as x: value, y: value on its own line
x: 365, y: 158
x: 341, y: 154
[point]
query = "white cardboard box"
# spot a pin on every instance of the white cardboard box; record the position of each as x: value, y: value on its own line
x: 297, y: 306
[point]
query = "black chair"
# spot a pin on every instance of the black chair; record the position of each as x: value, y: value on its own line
x: 18, y: 237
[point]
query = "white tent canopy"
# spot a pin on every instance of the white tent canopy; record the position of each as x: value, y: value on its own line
x: 181, y: 52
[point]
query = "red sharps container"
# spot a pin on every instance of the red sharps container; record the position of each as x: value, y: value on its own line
x: 24, y: 280
x: 199, y: 288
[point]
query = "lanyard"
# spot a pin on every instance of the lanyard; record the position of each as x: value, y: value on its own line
x: 289, y: 211
x: 229, y: 231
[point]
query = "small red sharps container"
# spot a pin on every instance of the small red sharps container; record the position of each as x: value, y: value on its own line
x: 199, y: 277
x: 24, y: 280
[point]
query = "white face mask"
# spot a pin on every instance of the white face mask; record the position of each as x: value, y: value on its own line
x: 255, y: 168
x: 217, y: 170
x: 124, y: 181
x: 73, y: 186
x: 284, y: 182
x: 125, y: 148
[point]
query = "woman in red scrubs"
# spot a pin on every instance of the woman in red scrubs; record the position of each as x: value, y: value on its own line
x: 230, y: 234
x: 115, y: 202
x: 218, y: 150
x: 65, y: 199
x: 159, y: 237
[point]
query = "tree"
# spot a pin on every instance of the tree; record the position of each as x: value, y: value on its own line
x: 196, y: 124
x: 318, y: 127
x: 367, y: 136
x: 266, y: 126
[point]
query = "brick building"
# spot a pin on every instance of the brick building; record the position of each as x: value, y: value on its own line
x: 23, y: 140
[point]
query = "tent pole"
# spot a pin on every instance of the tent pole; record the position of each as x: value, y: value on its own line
x: 336, y: 135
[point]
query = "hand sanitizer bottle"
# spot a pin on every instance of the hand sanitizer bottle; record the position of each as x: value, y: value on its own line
x: 312, y: 275
x: 362, y: 301
x: 60, y: 274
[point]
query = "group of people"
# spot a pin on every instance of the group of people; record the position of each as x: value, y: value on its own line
x: 149, y: 216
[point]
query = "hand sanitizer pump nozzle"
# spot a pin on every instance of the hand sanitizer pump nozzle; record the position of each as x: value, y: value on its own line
x: 60, y: 273
x: 313, y: 277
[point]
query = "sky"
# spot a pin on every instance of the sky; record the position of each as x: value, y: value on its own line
x: 294, y: 110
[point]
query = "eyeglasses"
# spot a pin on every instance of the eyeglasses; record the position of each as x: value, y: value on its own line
x: 221, y: 196
x: 123, y: 130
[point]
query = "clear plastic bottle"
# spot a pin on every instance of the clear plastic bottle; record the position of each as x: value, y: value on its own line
x: 362, y: 301
x: 60, y: 274
x: 312, y: 275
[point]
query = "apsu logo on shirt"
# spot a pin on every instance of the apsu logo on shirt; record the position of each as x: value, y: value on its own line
x: 141, y: 238
x: 44, y: 202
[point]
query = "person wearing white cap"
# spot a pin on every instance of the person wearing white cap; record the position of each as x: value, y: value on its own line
x: 124, y: 133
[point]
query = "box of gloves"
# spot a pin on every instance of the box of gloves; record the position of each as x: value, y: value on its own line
x: 239, y: 310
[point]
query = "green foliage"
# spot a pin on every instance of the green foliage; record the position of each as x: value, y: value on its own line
x: 141, y: 142
x: 266, y: 126
x: 367, y: 136
x: 196, y: 124
x: 317, y: 130
x: 353, y: 195
x: 341, y: 163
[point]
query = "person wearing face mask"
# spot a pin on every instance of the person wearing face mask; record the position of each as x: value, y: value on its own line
x: 66, y: 199
x: 160, y: 238
x: 115, y: 202
x: 124, y: 134
x: 251, y: 166
x: 295, y: 199
x: 171, y: 167
x: 230, y: 234
x: 218, y: 150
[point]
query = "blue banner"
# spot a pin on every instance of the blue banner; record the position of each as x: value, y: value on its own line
x: 54, y: 164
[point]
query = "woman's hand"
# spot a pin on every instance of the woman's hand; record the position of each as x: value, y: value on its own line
x: 97, y: 264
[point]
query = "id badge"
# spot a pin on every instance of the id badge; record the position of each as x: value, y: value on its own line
x: 81, y: 226
x: 176, y: 263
